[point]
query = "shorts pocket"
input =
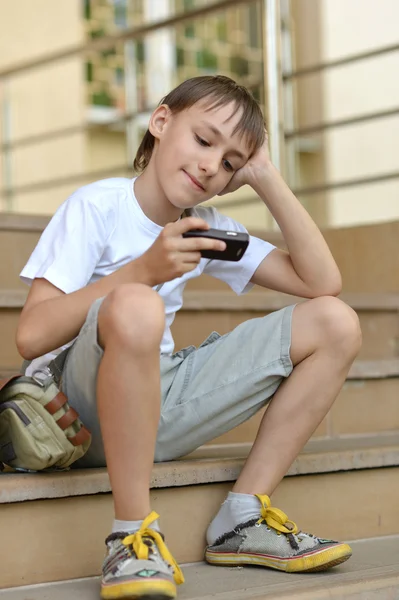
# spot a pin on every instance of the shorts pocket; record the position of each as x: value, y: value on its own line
x: 210, y: 339
x: 184, y: 352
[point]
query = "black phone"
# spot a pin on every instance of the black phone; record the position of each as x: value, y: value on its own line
x: 236, y: 243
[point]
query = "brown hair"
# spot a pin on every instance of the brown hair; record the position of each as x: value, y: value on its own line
x: 221, y: 91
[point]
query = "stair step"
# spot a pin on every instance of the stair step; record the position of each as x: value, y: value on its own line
x: 368, y: 403
x: 209, y: 464
x: 18, y: 236
x: 22, y: 223
x: 70, y: 513
x: 371, y: 573
x: 374, y: 369
x: 64, y: 537
x: 366, y: 255
x: 207, y: 311
x: 353, y: 413
x: 260, y: 299
x: 257, y: 300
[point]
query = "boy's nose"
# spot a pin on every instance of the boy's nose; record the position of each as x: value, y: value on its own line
x: 210, y: 167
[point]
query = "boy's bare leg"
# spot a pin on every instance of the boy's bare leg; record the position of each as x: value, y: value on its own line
x: 326, y: 338
x: 130, y: 324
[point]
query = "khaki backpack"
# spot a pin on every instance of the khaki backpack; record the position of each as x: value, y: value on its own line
x: 38, y: 428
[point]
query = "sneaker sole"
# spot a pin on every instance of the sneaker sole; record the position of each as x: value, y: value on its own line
x: 143, y: 590
x: 308, y: 563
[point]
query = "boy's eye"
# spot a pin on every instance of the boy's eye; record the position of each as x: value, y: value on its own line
x: 228, y: 166
x: 201, y: 141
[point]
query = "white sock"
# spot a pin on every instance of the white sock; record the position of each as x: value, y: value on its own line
x: 236, y: 509
x: 131, y: 526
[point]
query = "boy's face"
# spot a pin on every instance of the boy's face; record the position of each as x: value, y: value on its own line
x: 197, y: 154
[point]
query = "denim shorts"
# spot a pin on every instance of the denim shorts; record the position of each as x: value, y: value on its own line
x: 205, y: 391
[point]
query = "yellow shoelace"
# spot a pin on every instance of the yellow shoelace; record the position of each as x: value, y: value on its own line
x: 274, y: 517
x: 142, y: 550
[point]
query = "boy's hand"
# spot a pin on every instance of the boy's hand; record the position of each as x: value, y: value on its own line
x: 257, y: 164
x: 171, y: 255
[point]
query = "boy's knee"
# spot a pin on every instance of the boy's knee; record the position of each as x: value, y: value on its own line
x: 338, y: 323
x: 133, y: 315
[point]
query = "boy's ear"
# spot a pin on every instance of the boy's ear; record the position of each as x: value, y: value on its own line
x: 158, y: 121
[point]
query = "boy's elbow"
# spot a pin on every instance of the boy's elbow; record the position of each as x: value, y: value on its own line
x: 336, y: 285
x: 25, y: 344
x: 333, y: 287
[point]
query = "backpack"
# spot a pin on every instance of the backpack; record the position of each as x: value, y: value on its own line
x: 38, y: 428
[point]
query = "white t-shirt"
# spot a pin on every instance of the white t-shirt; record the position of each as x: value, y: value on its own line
x: 101, y: 227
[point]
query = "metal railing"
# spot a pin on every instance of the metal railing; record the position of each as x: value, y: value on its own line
x: 107, y: 42
x: 344, y: 122
x: 273, y: 83
x: 340, y: 62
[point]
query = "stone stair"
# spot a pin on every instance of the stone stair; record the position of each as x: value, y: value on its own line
x: 371, y: 574
x: 344, y: 485
x: 207, y: 310
x: 374, y: 375
x: 55, y: 523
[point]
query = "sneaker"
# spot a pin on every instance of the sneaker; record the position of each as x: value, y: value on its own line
x: 274, y: 541
x: 139, y: 565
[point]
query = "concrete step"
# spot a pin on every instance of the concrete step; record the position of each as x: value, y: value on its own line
x: 20, y: 233
x: 369, y: 381
x: 207, y: 311
x: 55, y: 523
x: 366, y: 254
x: 18, y: 236
x: 372, y: 573
x: 368, y: 403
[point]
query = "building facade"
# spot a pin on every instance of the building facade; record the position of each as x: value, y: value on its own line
x: 64, y: 123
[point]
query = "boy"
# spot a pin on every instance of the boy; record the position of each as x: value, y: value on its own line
x: 110, y: 270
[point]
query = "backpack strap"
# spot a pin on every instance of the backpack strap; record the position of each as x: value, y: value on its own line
x: 56, y: 366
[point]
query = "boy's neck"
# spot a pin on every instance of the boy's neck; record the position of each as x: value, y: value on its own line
x: 153, y: 201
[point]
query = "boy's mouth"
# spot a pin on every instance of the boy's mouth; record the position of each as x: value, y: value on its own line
x: 195, y: 181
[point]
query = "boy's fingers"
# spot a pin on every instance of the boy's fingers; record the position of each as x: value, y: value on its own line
x: 192, y: 257
x: 192, y: 244
x: 187, y: 267
x: 186, y: 224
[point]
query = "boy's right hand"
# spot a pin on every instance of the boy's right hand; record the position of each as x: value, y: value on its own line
x: 171, y: 255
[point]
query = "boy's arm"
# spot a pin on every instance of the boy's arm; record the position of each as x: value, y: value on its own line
x: 308, y: 269
x: 51, y: 318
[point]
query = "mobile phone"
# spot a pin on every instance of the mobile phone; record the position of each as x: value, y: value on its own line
x: 236, y: 243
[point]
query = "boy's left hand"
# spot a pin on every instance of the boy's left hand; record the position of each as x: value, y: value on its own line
x: 252, y: 169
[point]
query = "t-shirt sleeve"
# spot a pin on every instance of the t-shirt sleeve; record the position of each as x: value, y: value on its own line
x: 236, y: 274
x: 70, y: 246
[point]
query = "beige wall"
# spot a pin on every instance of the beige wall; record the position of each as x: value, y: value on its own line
x: 326, y: 30
x: 28, y: 31
x: 43, y: 99
x: 105, y: 149
x: 370, y: 148
x: 309, y: 106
